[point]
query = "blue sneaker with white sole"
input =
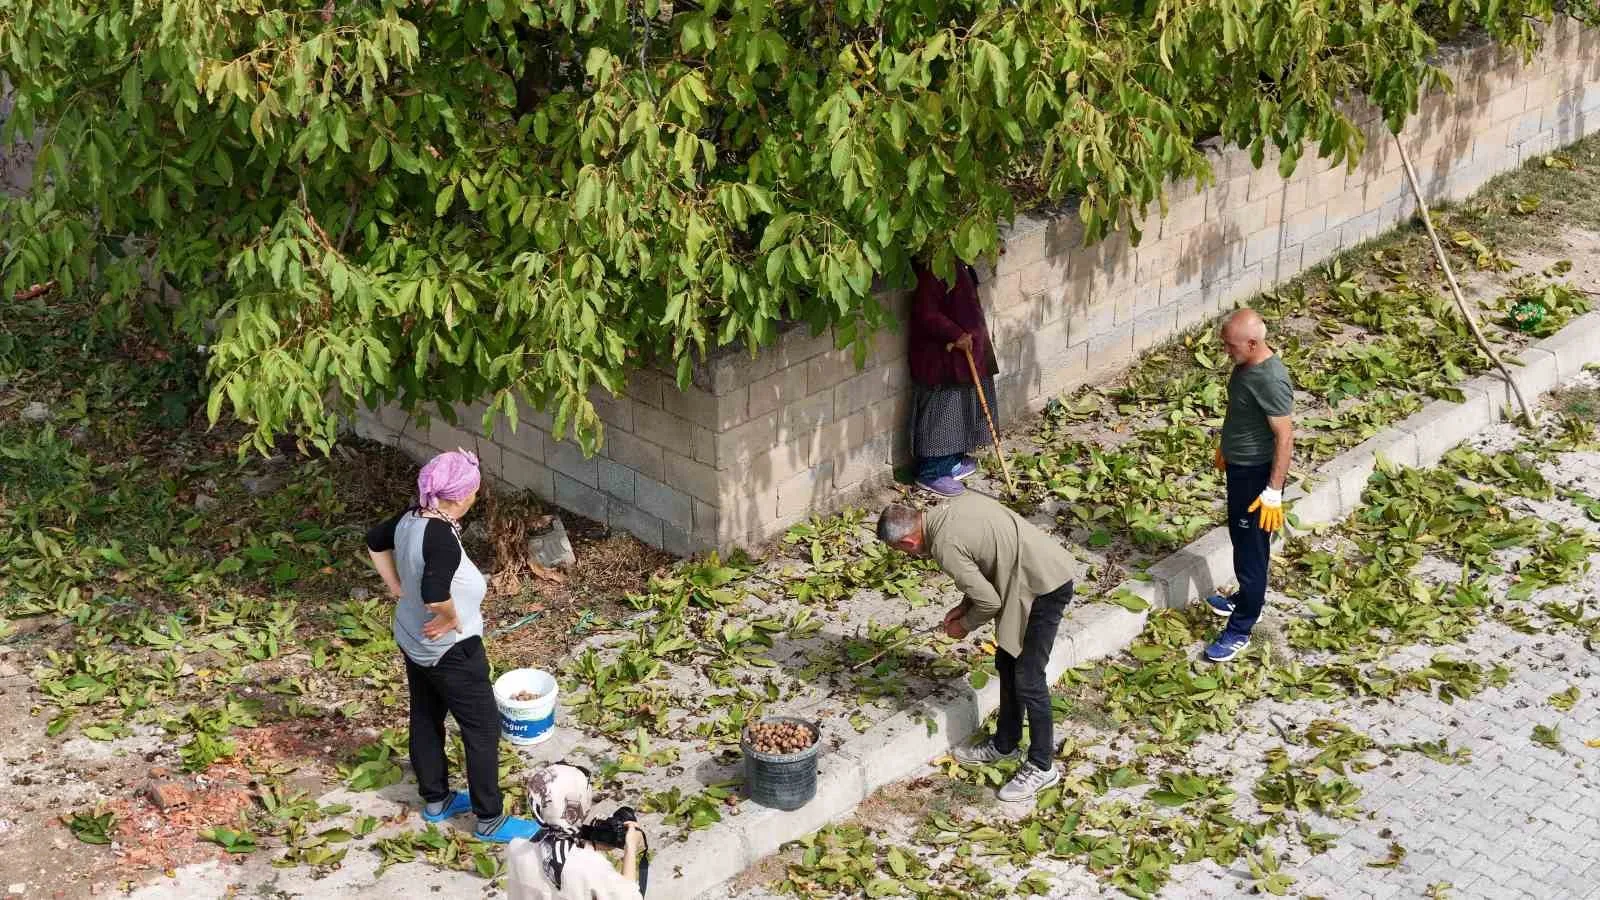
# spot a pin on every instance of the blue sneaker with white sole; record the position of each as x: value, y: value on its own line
x: 964, y: 469
x: 509, y: 829
x: 1227, y: 646
x: 1220, y: 605
x: 460, y: 804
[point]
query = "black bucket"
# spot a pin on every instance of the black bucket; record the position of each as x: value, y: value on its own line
x: 787, y: 781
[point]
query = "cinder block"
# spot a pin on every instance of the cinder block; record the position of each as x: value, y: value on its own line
x: 778, y: 463
x: 1305, y: 225
x: 528, y: 416
x: 1321, y: 246
x: 616, y: 480
x: 1324, y: 186
x: 862, y: 463
x: 646, y: 386
x: 1442, y: 424
x: 805, y: 491
x: 840, y: 436
x: 889, y: 415
x: 1575, y: 346
x: 668, y: 504
x: 1154, y: 327
x: 1183, y: 216
x: 801, y: 419
x: 1264, y: 244
x: 799, y: 344
x: 1195, y: 571
x: 633, y: 452
x: 732, y: 367
x: 1110, y: 352
x: 719, y: 412
x: 1041, y: 277
x: 579, y: 498
x: 1001, y: 291
x: 525, y: 474
x: 777, y: 390
x: 1026, y: 242
x: 663, y: 428
x: 868, y: 388
x: 841, y: 784
x: 707, y: 521
x: 621, y: 516
x: 1193, y: 310
x: 616, y: 412
x: 1068, y: 370
x: 694, y: 478
x: 740, y: 443
x: 827, y: 369
x: 744, y: 509
x: 684, y: 544
x: 567, y: 458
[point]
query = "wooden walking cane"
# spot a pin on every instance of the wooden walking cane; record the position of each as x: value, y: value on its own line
x: 993, y: 431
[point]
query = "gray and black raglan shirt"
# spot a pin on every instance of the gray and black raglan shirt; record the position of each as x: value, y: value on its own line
x: 433, y: 568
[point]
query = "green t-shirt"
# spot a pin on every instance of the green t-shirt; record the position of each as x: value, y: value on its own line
x: 1254, y: 393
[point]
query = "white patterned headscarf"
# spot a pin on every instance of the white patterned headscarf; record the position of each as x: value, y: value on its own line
x: 560, y: 797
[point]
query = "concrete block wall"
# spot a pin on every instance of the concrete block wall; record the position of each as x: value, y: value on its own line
x: 760, y: 443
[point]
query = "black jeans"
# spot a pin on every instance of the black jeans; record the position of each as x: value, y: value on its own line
x: 457, y: 684
x: 1252, y: 547
x: 1023, y: 685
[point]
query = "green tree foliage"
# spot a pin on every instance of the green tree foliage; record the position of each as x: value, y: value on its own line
x: 451, y: 200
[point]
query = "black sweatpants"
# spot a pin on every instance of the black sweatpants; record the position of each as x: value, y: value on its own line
x: 457, y: 684
x: 1252, y: 547
x: 1023, y: 685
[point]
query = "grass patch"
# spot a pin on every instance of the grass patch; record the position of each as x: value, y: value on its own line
x: 1532, y: 207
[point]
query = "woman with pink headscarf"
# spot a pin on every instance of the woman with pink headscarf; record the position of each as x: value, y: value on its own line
x: 438, y: 623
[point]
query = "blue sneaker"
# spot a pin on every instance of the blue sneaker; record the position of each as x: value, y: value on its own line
x: 1222, y: 606
x: 964, y: 469
x: 944, y: 486
x: 509, y: 829
x: 460, y: 803
x: 1227, y: 646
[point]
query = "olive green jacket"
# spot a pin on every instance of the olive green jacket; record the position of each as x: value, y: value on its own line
x: 1000, y: 560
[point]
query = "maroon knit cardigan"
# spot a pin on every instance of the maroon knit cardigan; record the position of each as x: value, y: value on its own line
x: 939, y: 315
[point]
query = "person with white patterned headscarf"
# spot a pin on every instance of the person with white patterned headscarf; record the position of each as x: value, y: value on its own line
x: 558, y: 865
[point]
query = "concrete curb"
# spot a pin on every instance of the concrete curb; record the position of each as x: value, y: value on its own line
x: 903, y: 743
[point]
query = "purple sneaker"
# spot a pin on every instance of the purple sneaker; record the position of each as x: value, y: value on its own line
x: 944, y: 486
x: 964, y: 469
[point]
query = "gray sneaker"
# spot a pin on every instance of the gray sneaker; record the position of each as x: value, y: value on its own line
x: 985, y: 754
x: 1028, y: 782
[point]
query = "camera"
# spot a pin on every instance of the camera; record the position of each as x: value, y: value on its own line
x: 612, y: 831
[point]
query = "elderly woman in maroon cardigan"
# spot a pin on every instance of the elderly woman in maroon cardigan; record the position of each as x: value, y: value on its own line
x: 947, y: 420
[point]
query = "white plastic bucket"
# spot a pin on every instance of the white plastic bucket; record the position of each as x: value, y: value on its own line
x: 526, y: 722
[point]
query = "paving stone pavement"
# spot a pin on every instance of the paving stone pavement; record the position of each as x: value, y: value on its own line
x: 1519, y: 820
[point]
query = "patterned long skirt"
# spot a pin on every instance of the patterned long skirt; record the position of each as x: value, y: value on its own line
x: 949, y: 420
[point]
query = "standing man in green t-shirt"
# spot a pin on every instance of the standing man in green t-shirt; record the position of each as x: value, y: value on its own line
x: 1257, y: 443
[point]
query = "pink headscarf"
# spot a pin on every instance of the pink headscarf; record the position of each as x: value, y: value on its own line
x: 448, y: 476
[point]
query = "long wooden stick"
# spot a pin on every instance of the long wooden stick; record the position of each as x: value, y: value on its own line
x: 1455, y: 289
x: 896, y: 645
x: 993, y: 431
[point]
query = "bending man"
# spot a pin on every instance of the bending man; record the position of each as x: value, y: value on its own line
x: 1020, y: 578
x: 1257, y: 444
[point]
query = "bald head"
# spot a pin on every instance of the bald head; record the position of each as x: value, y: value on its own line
x: 1247, y: 324
x: 900, y: 526
x: 1244, y: 336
